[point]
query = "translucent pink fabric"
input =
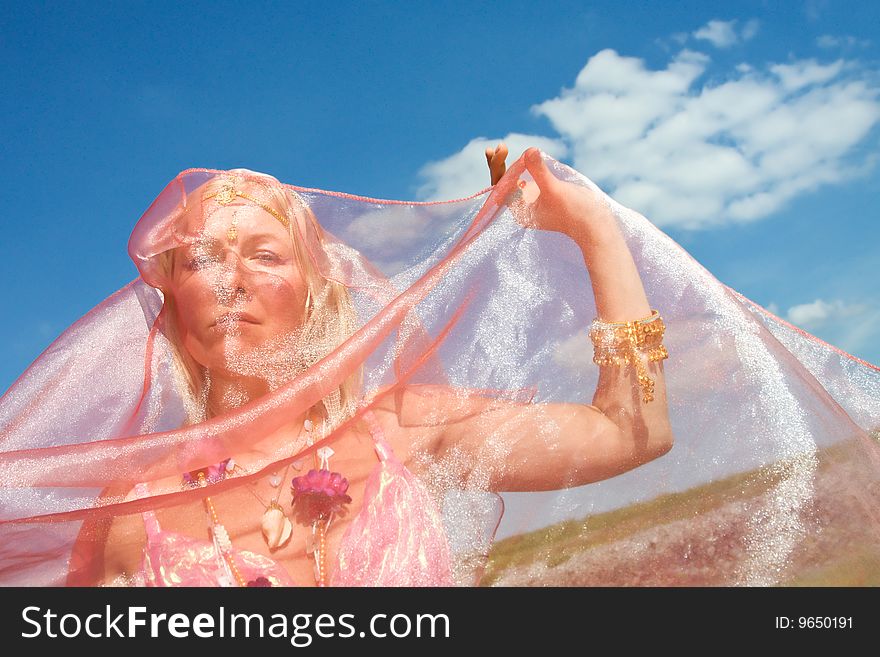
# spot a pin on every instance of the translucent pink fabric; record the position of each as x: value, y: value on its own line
x: 174, y: 559
x: 458, y: 322
x: 397, y: 539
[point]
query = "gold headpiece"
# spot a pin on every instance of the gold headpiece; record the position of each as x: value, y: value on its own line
x: 227, y: 194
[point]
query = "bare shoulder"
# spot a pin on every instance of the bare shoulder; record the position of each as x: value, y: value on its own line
x: 412, y: 417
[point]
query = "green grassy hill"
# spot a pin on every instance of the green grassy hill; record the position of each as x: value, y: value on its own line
x: 701, y: 537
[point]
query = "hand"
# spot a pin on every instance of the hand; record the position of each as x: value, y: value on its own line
x: 561, y: 206
x: 495, y: 158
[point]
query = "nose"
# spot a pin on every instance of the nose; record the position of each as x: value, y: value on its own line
x: 232, y: 280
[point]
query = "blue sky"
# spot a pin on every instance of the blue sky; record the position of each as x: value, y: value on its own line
x: 765, y: 169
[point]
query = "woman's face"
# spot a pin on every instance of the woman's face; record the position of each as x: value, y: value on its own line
x: 239, y: 302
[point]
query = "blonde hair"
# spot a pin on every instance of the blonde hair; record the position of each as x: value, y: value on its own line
x: 330, y: 321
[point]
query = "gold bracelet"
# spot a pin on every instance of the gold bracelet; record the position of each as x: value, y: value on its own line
x: 619, y: 343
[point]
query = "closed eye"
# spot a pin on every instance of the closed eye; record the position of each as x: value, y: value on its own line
x: 201, y: 261
x: 267, y: 256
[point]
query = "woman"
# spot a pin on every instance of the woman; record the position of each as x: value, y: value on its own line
x: 231, y: 294
x: 316, y: 410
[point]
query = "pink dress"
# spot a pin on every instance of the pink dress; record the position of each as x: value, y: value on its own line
x: 397, y: 539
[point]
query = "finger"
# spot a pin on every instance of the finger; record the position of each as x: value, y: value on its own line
x: 490, y: 153
x: 536, y: 166
x: 497, y: 168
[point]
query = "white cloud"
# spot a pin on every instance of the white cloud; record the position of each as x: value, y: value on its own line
x: 750, y: 29
x: 387, y: 232
x: 571, y: 354
x: 729, y: 152
x: 805, y: 72
x: 401, y: 226
x: 695, y: 154
x: 723, y: 34
x: 816, y: 313
x: 858, y: 336
x: 849, y: 326
x: 466, y: 172
x: 831, y: 41
x: 719, y: 33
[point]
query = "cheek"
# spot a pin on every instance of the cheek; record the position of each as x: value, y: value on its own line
x: 283, y: 302
x: 193, y: 308
x: 191, y: 335
x: 195, y: 305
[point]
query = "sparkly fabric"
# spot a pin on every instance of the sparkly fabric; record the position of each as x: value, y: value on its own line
x: 466, y: 332
x: 173, y: 559
x: 397, y: 539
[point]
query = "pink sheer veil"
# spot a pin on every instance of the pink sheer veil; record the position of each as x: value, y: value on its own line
x: 772, y: 478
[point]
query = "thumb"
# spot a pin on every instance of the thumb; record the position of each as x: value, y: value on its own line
x: 536, y: 166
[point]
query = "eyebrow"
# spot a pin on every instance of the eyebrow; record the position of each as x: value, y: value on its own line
x: 250, y: 237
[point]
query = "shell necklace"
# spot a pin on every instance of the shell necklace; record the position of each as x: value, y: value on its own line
x: 275, y: 524
x: 318, y: 497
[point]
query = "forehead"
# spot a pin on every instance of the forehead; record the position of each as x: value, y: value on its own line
x: 211, y: 222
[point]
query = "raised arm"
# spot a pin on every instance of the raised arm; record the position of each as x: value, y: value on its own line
x: 548, y: 446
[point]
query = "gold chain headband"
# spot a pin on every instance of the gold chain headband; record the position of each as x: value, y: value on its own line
x: 227, y: 194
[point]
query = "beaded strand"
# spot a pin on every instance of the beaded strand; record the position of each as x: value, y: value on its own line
x: 221, y: 536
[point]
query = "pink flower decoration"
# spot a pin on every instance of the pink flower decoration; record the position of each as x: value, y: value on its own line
x: 319, y: 494
x: 213, y: 473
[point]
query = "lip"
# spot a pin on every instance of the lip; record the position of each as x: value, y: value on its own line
x: 230, y: 317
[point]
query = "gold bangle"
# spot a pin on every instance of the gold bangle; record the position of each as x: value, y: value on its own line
x: 621, y: 343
